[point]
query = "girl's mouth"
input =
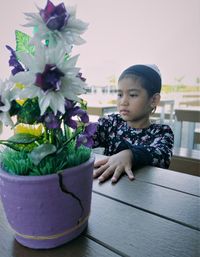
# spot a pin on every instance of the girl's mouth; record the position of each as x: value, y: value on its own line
x: 124, y: 112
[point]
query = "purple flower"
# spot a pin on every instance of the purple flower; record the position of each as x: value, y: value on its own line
x: 86, y: 137
x: 55, y: 17
x: 68, y: 117
x: 50, y: 78
x: 82, y: 115
x: 69, y: 104
x: 71, y: 111
x: 91, y: 129
x: 13, y: 62
x: 76, y: 111
x: 51, y: 121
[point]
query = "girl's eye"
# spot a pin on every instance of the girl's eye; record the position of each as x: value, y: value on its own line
x: 133, y: 95
x: 119, y: 95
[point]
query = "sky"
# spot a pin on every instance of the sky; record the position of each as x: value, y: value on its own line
x: 122, y: 33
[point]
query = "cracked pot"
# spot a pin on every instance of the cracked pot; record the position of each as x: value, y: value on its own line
x: 48, y: 211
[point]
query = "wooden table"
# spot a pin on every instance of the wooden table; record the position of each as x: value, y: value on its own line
x: 156, y: 215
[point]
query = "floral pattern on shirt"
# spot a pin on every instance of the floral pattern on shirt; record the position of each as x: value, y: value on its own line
x: 157, y: 139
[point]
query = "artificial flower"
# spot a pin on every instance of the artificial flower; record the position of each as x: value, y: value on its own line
x: 18, y: 85
x: 13, y: 62
x: 51, y: 120
x: 51, y: 123
x: 5, y: 98
x: 81, y: 77
x: 21, y: 101
x: 55, y: 17
x: 86, y: 137
x: 50, y: 77
x: 56, y: 24
x: 35, y: 130
x: 72, y: 111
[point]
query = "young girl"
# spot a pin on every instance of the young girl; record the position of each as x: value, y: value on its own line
x: 129, y: 138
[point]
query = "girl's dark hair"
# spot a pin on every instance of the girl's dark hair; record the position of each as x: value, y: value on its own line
x: 148, y: 77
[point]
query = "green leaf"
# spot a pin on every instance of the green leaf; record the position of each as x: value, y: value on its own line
x: 41, y: 152
x: 10, y: 145
x: 22, y: 142
x: 15, y: 108
x: 23, y: 43
x: 22, y: 138
x: 30, y: 112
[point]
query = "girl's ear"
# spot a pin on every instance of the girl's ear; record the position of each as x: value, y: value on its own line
x: 155, y: 99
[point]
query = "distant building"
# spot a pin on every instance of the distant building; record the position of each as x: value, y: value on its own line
x: 102, y: 89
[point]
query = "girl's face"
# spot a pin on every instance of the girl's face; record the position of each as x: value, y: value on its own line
x: 134, y: 104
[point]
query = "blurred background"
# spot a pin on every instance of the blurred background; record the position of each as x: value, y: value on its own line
x: 122, y: 33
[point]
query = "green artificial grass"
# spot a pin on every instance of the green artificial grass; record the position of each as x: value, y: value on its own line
x: 18, y: 162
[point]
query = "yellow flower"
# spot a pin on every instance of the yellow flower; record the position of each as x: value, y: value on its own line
x: 21, y: 101
x: 35, y: 130
x: 18, y: 85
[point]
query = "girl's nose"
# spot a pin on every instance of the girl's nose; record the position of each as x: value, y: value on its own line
x: 124, y: 100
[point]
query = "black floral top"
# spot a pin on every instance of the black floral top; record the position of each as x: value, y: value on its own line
x: 150, y: 146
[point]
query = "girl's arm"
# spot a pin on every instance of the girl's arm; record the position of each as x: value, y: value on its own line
x: 102, y: 132
x: 158, y: 153
x: 129, y: 157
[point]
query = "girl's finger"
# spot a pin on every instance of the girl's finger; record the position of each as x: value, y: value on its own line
x: 100, y: 162
x: 118, y: 171
x: 129, y: 173
x: 106, y: 174
x: 100, y: 170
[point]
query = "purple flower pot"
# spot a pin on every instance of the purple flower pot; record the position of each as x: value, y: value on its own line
x: 48, y: 211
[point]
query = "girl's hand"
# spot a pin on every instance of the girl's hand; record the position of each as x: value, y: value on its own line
x: 113, y: 166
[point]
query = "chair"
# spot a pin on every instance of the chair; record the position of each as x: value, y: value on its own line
x: 192, y: 117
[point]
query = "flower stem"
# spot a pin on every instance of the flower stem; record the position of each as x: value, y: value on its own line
x: 51, y: 136
x: 45, y: 134
x: 67, y: 130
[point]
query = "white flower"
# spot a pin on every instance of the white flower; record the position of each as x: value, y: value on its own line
x: 5, y: 99
x: 68, y: 35
x: 50, y: 76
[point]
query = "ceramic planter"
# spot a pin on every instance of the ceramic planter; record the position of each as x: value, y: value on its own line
x: 48, y: 211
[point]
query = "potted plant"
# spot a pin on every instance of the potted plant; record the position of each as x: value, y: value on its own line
x: 46, y: 166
